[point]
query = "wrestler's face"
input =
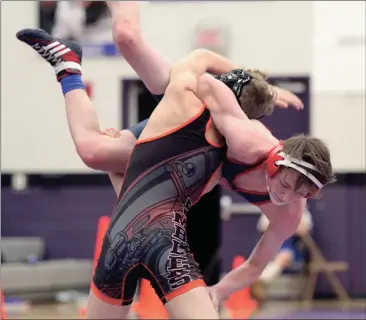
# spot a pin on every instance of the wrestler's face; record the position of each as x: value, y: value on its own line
x: 282, y: 185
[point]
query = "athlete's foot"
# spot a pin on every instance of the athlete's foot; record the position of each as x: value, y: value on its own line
x: 64, y: 56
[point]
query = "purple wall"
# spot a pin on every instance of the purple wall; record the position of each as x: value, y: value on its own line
x: 65, y: 217
x: 284, y: 123
x: 340, y: 231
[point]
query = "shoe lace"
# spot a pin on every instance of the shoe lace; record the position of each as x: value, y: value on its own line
x: 44, y: 53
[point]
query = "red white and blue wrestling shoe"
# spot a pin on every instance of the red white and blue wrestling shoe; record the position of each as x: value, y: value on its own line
x: 64, y: 56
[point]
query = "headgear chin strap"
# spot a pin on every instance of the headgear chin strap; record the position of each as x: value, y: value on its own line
x: 278, y: 158
x: 235, y: 80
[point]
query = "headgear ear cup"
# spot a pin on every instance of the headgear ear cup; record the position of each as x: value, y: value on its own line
x: 229, y: 78
x: 273, y: 157
x: 235, y: 80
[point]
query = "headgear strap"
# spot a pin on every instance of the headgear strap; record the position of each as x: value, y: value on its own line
x: 294, y: 163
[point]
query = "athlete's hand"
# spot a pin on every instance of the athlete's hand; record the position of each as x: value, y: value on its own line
x: 112, y: 133
x: 212, y: 291
x: 217, y: 295
x: 286, y: 98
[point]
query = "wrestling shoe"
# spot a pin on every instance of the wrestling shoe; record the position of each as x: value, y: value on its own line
x: 64, y: 56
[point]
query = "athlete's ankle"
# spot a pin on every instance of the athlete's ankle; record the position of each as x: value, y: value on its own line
x: 71, y: 82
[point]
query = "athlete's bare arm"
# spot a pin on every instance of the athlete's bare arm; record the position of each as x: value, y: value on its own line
x: 229, y: 118
x: 189, y: 75
x: 283, y: 224
x: 234, y: 125
x: 187, y: 71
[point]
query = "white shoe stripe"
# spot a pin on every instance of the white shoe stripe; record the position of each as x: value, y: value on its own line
x: 61, y: 53
x: 58, y: 48
x: 67, y: 65
x: 52, y: 45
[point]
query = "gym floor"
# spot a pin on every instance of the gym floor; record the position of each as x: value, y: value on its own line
x: 272, y: 310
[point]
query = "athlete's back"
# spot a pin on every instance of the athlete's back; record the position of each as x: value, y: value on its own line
x: 177, y: 107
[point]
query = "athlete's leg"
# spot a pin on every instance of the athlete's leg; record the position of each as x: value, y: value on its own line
x: 96, y: 150
x: 193, y: 304
x: 151, y: 66
x: 98, y: 309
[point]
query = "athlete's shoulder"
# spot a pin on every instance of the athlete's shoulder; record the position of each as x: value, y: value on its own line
x: 257, y: 125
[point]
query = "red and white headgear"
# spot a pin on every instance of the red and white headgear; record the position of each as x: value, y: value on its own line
x: 278, y: 158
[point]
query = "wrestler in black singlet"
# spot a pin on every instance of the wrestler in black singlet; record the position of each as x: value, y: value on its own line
x: 232, y: 169
x: 147, y: 236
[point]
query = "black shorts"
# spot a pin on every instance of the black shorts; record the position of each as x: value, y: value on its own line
x: 158, y: 252
x: 138, y: 128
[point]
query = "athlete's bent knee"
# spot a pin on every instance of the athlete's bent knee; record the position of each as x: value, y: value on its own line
x: 87, y: 152
x: 125, y: 34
